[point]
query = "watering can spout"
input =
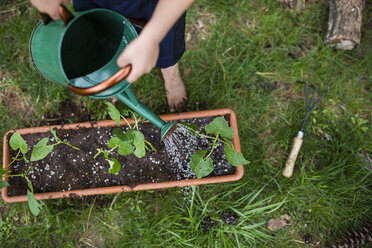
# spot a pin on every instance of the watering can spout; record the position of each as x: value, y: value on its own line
x: 167, y: 129
x: 131, y: 101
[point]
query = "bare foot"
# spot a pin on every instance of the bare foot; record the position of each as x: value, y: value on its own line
x: 175, y: 88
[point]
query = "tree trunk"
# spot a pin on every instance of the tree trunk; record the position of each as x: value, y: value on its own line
x: 344, y: 23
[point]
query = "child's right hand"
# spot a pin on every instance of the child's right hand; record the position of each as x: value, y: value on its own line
x: 50, y: 7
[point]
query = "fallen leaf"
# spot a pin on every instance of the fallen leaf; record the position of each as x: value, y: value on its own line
x: 279, y: 223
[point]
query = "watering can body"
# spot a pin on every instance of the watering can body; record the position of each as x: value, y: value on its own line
x: 81, y: 53
x: 84, y: 52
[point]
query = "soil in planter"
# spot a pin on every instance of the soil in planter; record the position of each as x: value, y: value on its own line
x: 68, y: 169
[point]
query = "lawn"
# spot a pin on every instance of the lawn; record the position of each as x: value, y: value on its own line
x: 243, y: 55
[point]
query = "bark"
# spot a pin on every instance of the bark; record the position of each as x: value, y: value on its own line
x: 344, y: 23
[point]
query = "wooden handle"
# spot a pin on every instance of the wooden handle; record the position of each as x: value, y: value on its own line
x: 289, y: 165
x: 108, y: 83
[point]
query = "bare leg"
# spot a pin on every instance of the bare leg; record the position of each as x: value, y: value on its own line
x: 175, y: 88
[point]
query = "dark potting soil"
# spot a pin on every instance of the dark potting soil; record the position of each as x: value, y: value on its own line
x: 67, y: 169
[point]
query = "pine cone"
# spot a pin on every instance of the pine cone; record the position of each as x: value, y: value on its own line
x: 354, y: 238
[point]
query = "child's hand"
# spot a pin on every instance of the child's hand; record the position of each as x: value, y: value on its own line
x: 50, y: 7
x: 142, y: 54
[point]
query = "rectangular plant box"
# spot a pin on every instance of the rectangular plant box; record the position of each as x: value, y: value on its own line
x: 239, y: 171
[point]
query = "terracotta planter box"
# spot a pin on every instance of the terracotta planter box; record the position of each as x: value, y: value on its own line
x: 116, y: 189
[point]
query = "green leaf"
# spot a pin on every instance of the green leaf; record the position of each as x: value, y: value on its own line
x: 139, y: 143
x: 220, y: 126
x: 125, y: 148
x: 114, y: 166
x: 33, y: 204
x: 199, y: 166
x: 126, y: 137
x: 117, y: 132
x: 235, y: 158
x: 54, y: 134
x: 191, y: 127
x: 113, y: 142
x: 113, y: 112
x: 3, y: 184
x: 140, y: 151
x: 3, y: 171
x: 41, y: 150
x: 16, y: 141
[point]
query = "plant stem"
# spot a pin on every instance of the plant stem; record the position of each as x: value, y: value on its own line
x: 125, y: 119
x: 22, y: 175
x: 98, y: 153
x: 14, y: 159
x: 135, y: 119
x: 210, y: 137
x: 30, y: 168
x: 112, y: 149
x: 102, y: 151
x: 203, y: 135
x: 59, y: 141
x: 16, y: 175
x: 213, y: 146
x: 66, y: 143
x: 29, y: 183
x: 153, y: 148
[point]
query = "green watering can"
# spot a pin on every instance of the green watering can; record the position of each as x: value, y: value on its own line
x: 81, y: 51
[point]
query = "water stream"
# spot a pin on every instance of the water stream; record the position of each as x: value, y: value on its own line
x: 180, y: 144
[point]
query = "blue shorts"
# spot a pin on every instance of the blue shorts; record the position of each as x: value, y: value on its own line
x: 172, y: 46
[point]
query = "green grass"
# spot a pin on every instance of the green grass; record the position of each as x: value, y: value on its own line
x: 245, y: 55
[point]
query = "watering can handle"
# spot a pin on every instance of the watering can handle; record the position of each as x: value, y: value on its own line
x: 65, y: 14
x: 113, y: 80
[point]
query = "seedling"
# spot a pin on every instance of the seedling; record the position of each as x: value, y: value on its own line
x: 131, y: 141
x: 201, y: 163
x: 40, y: 151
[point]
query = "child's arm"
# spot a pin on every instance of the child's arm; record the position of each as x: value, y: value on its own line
x: 50, y: 7
x: 142, y: 53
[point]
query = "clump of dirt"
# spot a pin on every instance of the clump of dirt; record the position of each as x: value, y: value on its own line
x: 207, y: 223
x: 307, y: 238
x: 67, y: 169
x: 229, y: 217
x: 69, y: 112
